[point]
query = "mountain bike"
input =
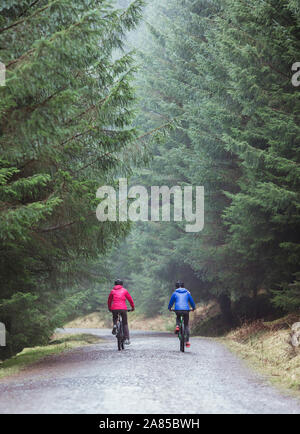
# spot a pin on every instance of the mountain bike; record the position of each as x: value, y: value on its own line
x: 120, y: 331
x: 181, y: 334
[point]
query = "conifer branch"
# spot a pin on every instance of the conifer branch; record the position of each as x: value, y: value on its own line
x: 17, y: 23
x: 65, y: 225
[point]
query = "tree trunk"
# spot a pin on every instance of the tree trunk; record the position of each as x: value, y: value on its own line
x: 226, y: 312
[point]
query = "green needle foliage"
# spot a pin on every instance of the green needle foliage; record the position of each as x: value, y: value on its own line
x: 222, y: 71
x: 215, y: 98
x: 263, y: 217
x: 65, y: 129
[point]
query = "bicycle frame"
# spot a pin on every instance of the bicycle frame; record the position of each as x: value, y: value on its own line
x: 181, y: 334
x: 120, y: 331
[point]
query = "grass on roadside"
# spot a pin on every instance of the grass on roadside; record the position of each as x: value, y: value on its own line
x: 264, y: 345
x: 91, y: 321
x: 137, y: 321
x: 58, y: 344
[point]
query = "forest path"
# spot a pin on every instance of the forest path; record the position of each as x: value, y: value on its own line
x: 150, y: 376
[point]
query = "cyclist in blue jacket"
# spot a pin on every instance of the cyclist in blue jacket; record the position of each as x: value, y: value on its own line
x: 183, y: 300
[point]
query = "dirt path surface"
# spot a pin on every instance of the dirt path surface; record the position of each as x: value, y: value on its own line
x: 151, y: 376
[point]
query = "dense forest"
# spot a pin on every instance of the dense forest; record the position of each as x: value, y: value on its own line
x: 220, y: 73
x: 174, y: 93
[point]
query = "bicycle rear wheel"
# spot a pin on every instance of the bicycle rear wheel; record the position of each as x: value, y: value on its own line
x: 119, y: 335
x: 123, y: 338
x: 182, y: 337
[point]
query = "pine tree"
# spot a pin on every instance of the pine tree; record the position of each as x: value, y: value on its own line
x: 243, y: 123
x: 222, y: 69
x: 260, y: 42
x: 65, y: 129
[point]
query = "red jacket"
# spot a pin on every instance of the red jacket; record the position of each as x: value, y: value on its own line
x: 117, y: 298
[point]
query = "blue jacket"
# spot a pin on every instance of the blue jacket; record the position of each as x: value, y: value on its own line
x: 182, y: 298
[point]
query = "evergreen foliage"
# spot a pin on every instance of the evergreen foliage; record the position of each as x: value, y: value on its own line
x: 221, y: 70
x: 216, y: 107
x: 66, y: 116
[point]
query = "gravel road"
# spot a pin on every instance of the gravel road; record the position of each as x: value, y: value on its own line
x: 151, y: 376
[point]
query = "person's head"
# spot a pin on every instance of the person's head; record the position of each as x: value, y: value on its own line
x: 118, y: 282
x: 179, y: 284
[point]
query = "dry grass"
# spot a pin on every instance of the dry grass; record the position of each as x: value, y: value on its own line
x: 92, y: 321
x: 136, y: 322
x: 248, y: 332
x: 266, y: 347
x: 159, y: 323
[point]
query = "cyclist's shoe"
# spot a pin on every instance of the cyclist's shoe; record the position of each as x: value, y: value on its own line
x: 176, y: 330
x: 127, y: 342
x: 188, y: 345
x: 114, y: 330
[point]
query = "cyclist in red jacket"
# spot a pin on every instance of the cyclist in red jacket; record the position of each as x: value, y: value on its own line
x: 117, y: 304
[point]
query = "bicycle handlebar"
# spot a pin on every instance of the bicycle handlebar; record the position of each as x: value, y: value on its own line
x: 128, y: 310
x: 173, y: 310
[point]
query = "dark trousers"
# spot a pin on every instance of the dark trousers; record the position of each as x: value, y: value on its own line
x: 186, y: 319
x: 124, y: 320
